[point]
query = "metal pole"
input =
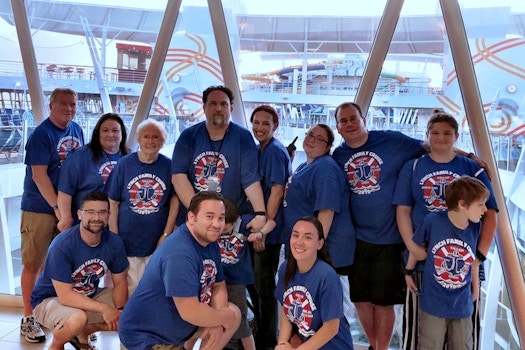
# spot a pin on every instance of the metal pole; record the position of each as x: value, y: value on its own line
x: 480, y: 135
x: 162, y: 45
x: 29, y: 59
x: 374, y: 65
x: 224, y: 49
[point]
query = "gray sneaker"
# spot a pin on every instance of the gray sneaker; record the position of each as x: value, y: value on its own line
x: 30, y: 329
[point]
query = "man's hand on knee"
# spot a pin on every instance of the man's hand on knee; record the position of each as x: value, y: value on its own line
x: 233, y: 317
x: 212, y: 338
x: 111, y: 316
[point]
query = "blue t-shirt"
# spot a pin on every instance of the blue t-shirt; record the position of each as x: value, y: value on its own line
x: 312, y: 298
x: 446, y: 285
x: 47, y: 145
x: 235, y: 253
x: 372, y: 172
x: 321, y: 185
x: 276, y: 168
x: 144, y: 192
x: 82, y: 174
x: 180, y: 267
x: 232, y: 160
x: 71, y: 260
x: 422, y: 183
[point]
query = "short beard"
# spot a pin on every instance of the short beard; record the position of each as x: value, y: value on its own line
x: 218, y: 122
x: 92, y: 230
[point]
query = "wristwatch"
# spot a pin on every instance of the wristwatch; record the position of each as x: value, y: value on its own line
x: 481, y: 257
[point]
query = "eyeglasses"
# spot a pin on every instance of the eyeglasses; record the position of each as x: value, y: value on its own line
x: 92, y: 212
x: 345, y: 121
x: 316, y: 138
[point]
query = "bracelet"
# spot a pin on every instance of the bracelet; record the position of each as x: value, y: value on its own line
x: 470, y: 155
x: 259, y: 213
x: 55, y: 207
x: 120, y: 308
x: 165, y: 234
x: 481, y: 257
x: 261, y: 233
x: 407, y: 272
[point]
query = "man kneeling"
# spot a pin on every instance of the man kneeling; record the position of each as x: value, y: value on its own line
x: 182, y: 295
x: 66, y: 297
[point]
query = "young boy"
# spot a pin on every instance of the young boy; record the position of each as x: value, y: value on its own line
x: 420, y: 190
x: 448, y: 240
x: 237, y: 267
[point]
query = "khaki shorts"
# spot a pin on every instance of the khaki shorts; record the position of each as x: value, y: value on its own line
x: 51, y: 314
x: 37, y: 231
x: 195, y: 336
x: 167, y: 347
x: 137, y: 265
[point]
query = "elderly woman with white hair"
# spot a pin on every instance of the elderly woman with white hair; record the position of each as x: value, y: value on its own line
x: 143, y: 203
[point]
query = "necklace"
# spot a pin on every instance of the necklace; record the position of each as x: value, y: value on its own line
x: 218, y: 152
x: 212, y: 180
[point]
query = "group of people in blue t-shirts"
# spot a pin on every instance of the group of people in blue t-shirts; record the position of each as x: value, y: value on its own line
x: 195, y: 231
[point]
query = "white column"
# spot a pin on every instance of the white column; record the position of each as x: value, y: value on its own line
x: 374, y: 65
x: 155, y: 69
x: 224, y: 48
x: 29, y: 59
x: 468, y: 86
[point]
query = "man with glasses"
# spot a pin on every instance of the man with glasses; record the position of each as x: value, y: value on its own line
x: 67, y: 297
x: 371, y: 161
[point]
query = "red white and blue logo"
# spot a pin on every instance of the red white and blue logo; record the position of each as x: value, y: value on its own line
x: 453, y: 260
x: 105, y: 169
x: 209, y: 274
x: 230, y: 246
x: 363, y: 170
x: 66, y: 146
x: 145, y: 193
x: 208, y: 164
x: 434, y: 186
x: 299, y: 307
x: 87, y: 276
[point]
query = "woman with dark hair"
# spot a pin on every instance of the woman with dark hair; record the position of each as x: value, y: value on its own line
x: 319, y: 188
x: 310, y: 293
x: 275, y: 167
x: 87, y: 169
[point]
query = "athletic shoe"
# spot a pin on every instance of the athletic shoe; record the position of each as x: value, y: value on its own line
x: 30, y: 329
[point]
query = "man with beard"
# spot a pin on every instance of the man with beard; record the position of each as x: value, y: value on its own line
x: 67, y: 297
x: 217, y: 155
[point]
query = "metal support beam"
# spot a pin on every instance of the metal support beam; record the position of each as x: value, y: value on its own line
x: 167, y: 27
x: 224, y: 48
x: 97, y: 65
x: 480, y: 135
x: 374, y: 65
x: 29, y: 59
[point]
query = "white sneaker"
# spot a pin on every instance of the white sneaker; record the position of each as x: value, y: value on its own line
x: 30, y: 329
